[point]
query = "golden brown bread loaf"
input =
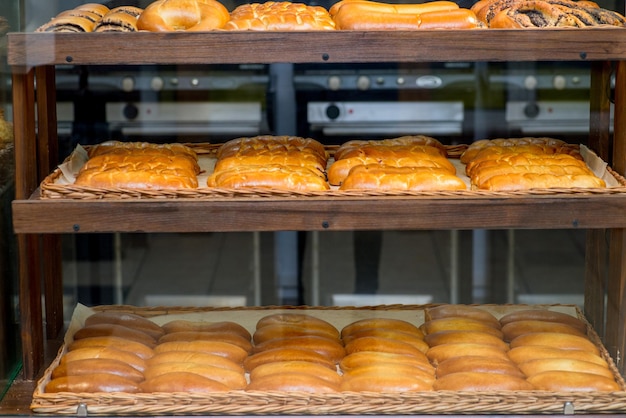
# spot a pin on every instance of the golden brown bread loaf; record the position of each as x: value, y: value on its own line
x: 271, y: 143
x: 183, y: 15
x: 195, y: 357
x: 119, y: 19
x: 123, y: 344
x: 386, y: 323
x: 533, y: 367
x: 532, y: 352
x: 82, y: 18
x: 279, y: 16
x: 91, y: 383
x: 276, y: 176
x: 490, y: 160
x: 360, y: 358
x: 220, y: 348
x: 383, y: 177
x: 306, y: 367
x: 181, y: 325
x: 292, y: 382
x: 114, y: 330
x: 440, y: 353
x: 273, y: 331
x: 460, y: 324
x: 480, y: 364
x: 286, y: 158
x: 409, y: 338
x: 514, y: 329
x: 231, y: 378
x: 127, y: 319
x: 386, y: 383
x: 105, y: 353
x: 182, y: 382
x: 97, y: 365
x: 556, y: 340
x: 480, y: 382
x: 385, y: 345
x: 544, y: 315
x: 348, y: 146
x: 502, y: 144
x: 566, y: 381
x: 329, y: 348
x: 298, y: 319
x: 455, y: 337
x: 461, y: 311
x: 228, y: 337
x: 515, y: 182
x: 374, y: 371
x: 287, y: 354
x: 539, y: 167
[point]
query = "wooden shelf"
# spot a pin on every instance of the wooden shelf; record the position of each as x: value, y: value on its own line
x: 36, y: 49
x: 274, y: 214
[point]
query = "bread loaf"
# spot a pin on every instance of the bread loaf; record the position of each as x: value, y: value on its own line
x: 113, y: 330
x: 532, y: 352
x: 220, y: 348
x: 274, y: 331
x: 182, y: 382
x: 279, y: 16
x: 412, y: 339
x: 544, y: 315
x: 298, y: 319
x: 292, y: 382
x: 271, y: 143
x: 383, y: 177
x: 105, y: 353
x: 470, y: 363
x: 231, y: 378
x: 274, y: 176
x: 455, y: 337
x: 329, y: 348
x: 195, y: 357
x: 514, y: 329
x: 421, y: 140
x: 286, y: 354
x: 461, y: 311
x: 374, y: 371
x: 122, y: 344
x: 91, y: 383
x: 119, y: 19
x: 228, y: 337
x: 533, y: 367
x: 364, y: 358
x: 381, y: 323
x: 459, y: 324
x: 388, y: 383
x: 502, y: 144
x: 556, y: 340
x: 566, y: 381
x: 181, y: 325
x: 127, y: 319
x: 306, y: 367
x: 385, y: 345
x: 444, y: 352
x: 481, y: 382
x: 99, y: 366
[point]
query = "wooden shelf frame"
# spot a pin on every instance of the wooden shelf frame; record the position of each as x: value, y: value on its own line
x: 38, y: 223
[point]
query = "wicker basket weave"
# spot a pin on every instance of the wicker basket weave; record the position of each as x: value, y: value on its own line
x: 344, y: 403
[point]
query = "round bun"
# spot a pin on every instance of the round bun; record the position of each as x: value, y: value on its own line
x: 183, y: 15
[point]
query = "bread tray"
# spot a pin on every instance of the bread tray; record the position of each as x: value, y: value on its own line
x: 342, y: 403
x: 52, y: 187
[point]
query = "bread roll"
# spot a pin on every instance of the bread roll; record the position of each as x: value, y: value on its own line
x: 69, y: 24
x: 121, y: 19
x: 364, y: 358
x: 374, y: 371
x: 481, y: 382
x: 227, y: 337
x: 385, y: 384
x: 307, y: 367
x: 274, y: 143
x: 299, y: 319
x: 413, y: 339
x: 480, y: 364
x: 533, y: 367
x: 532, y: 352
x: 513, y: 330
x: 443, y: 352
x: 348, y: 146
x: 231, y: 378
x: 544, y: 315
x: 385, y: 345
x: 195, y: 357
x: 417, y: 179
x: 556, y: 340
x: 273, y: 331
x: 287, y: 158
x: 407, y: 8
x: 292, y: 382
x: 92, y: 383
x: 566, y: 381
x: 181, y: 325
x: 97, y: 365
x: 459, y: 324
x: 271, y: 176
x: 385, y: 323
x: 503, y: 144
x: 122, y: 344
x: 327, y: 347
x: 113, y: 330
x: 220, y: 348
x: 461, y: 311
x: 182, y: 382
x: 126, y: 319
x: 287, y: 354
x: 105, y: 353
x: 183, y: 15
x: 456, y: 337
x: 279, y: 16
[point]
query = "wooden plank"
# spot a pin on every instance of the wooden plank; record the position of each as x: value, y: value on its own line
x: 66, y: 216
x: 320, y: 46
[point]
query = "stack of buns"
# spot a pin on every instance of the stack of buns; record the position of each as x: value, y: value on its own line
x: 140, y: 165
x: 279, y: 16
x: 295, y: 352
x: 385, y: 355
x: 527, y: 163
x: 271, y: 162
x: 94, y: 17
x: 372, y: 15
x: 415, y: 163
x: 553, y: 351
x: 545, y: 14
x: 468, y: 349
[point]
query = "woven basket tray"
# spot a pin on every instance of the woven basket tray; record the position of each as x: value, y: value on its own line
x: 344, y: 403
x: 50, y: 188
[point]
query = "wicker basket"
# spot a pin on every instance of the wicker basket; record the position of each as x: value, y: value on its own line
x: 344, y: 403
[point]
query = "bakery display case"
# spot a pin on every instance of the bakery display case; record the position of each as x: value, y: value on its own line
x: 42, y: 213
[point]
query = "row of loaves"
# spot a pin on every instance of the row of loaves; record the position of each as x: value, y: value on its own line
x: 208, y: 15
x: 457, y: 347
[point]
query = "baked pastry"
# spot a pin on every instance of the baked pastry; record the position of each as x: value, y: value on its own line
x: 559, y: 146
x: 275, y: 176
x: 284, y: 15
x: 183, y: 15
x: 384, y: 177
x: 461, y: 311
x: 480, y: 382
x: 82, y: 18
x: 402, y: 140
x: 119, y: 19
